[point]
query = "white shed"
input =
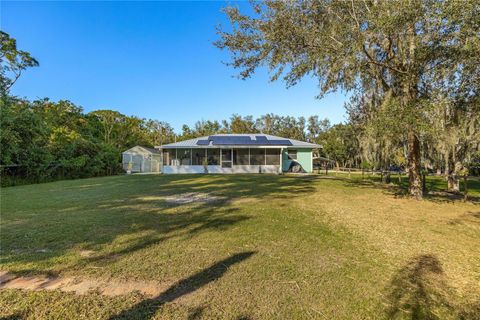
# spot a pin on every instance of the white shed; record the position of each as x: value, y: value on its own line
x: 141, y: 159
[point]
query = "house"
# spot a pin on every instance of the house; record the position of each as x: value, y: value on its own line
x: 141, y: 159
x: 238, y: 153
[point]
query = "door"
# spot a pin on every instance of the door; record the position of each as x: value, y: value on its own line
x: 137, y: 163
x: 226, y: 158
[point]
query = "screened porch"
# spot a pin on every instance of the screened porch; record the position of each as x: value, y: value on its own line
x: 222, y: 160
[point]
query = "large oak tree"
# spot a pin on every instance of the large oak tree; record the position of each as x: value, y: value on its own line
x: 394, y: 49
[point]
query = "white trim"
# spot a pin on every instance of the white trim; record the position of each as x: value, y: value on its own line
x: 218, y: 169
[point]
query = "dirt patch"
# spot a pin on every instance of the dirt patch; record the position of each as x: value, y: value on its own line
x: 86, y: 253
x: 80, y: 286
x: 192, y: 197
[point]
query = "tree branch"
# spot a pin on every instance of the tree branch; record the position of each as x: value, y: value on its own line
x: 381, y: 64
x: 354, y: 16
x: 17, y: 75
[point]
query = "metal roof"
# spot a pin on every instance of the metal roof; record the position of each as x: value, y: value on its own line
x: 151, y: 150
x: 193, y: 143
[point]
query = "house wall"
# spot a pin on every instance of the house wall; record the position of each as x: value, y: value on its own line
x: 304, y: 157
x: 219, y: 169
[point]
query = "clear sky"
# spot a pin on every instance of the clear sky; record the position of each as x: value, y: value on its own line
x: 149, y: 59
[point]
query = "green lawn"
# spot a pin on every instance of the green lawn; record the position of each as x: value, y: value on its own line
x: 281, y: 247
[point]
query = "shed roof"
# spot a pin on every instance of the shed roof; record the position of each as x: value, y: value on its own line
x: 148, y: 150
x: 193, y: 143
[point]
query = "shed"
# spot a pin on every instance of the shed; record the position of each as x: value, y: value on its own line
x: 141, y: 159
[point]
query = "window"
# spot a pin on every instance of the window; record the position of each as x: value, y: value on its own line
x: 169, y: 157
x: 198, y: 157
x: 272, y: 157
x: 292, y: 154
x: 213, y: 157
x: 226, y: 158
x: 257, y: 156
x: 184, y: 157
x: 241, y: 157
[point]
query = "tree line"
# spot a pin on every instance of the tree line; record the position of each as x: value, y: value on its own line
x: 43, y: 140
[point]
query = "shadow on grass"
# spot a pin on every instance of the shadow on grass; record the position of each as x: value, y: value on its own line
x: 129, y: 211
x: 435, y: 186
x: 147, y: 308
x: 469, y: 218
x: 196, y: 313
x: 12, y: 317
x: 419, y: 291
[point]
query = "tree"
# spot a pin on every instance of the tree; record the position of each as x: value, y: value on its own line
x: 159, y: 132
x: 13, y: 62
x: 108, y: 120
x: 315, y: 127
x: 267, y: 124
x: 206, y: 128
x: 340, y: 144
x: 394, y: 47
x: 239, y: 124
x: 454, y: 136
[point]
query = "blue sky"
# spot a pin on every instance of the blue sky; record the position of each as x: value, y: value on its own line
x: 149, y: 59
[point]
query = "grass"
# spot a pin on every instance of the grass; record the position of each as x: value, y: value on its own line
x: 292, y: 247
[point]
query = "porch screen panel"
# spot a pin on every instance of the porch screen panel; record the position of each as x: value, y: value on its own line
x: 273, y: 157
x: 213, y: 157
x: 198, y: 157
x: 257, y: 156
x: 226, y: 158
x: 184, y: 157
x: 169, y: 157
x: 240, y: 157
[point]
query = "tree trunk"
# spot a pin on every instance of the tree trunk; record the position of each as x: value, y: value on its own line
x: 410, y: 98
x: 386, y: 177
x: 414, y: 168
x: 453, y: 183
